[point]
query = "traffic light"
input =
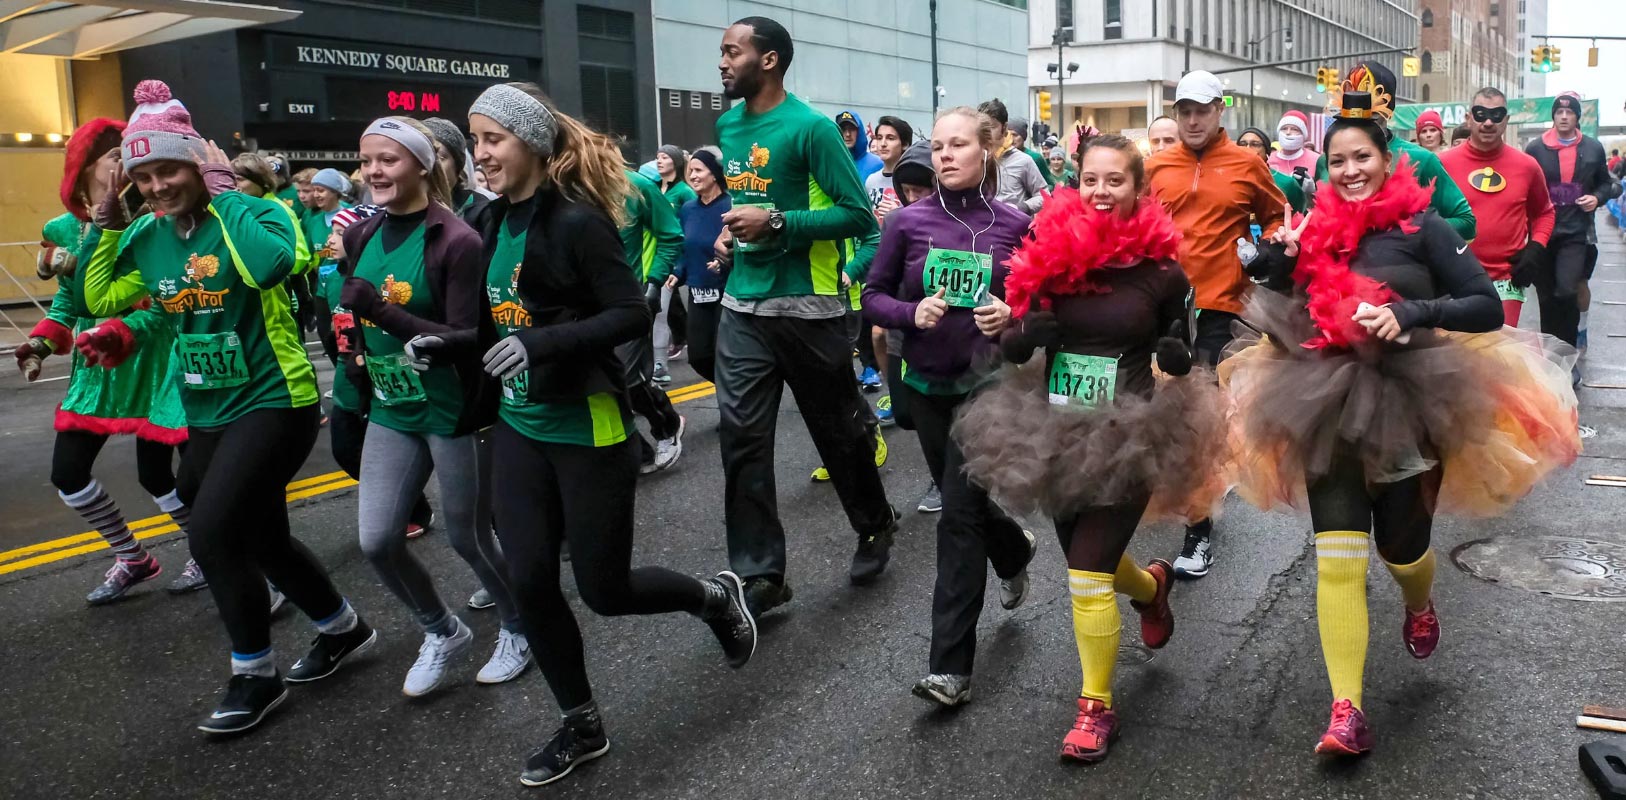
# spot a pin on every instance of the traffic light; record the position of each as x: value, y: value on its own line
x: 1044, y: 106
x: 1552, y: 59
x: 1326, y: 79
x: 1592, y: 56
x: 1545, y: 58
x: 1538, y: 56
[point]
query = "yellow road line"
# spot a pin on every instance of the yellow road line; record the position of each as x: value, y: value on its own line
x: 161, y: 524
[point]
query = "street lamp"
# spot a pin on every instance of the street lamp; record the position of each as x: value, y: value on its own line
x: 1253, y: 55
x: 1054, y: 68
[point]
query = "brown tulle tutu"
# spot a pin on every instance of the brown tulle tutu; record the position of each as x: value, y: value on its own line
x: 1496, y: 409
x: 1032, y: 456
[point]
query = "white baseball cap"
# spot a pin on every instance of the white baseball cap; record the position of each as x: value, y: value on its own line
x: 1199, y: 86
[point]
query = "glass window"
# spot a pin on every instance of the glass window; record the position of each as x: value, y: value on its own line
x: 1114, y: 20
x: 1428, y: 18
x: 1064, y: 13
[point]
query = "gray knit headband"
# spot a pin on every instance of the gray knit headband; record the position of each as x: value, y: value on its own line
x: 523, y: 115
x: 405, y: 135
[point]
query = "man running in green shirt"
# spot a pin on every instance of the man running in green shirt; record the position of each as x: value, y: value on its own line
x: 797, y: 200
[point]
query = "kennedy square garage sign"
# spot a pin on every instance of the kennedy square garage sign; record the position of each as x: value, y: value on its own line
x: 358, y: 59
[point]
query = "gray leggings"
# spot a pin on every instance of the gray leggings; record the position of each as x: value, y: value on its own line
x: 394, y: 468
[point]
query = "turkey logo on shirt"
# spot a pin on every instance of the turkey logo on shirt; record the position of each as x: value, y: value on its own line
x: 1487, y: 180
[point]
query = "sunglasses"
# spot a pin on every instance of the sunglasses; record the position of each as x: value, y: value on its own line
x: 1494, y: 115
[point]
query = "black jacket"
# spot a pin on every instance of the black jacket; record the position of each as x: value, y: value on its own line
x: 456, y: 277
x: 1591, y: 176
x: 582, y: 297
x: 1439, y: 280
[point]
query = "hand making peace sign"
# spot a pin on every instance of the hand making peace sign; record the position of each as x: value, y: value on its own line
x: 1288, y: 234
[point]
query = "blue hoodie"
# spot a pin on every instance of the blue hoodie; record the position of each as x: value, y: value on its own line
x: 868, y: 163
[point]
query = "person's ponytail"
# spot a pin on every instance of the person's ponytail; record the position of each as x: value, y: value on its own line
x: 585, y: 165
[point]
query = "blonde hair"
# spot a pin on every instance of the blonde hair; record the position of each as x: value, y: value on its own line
x: 440, y: 189
x: 987, y: 136
x: 304, y: 175
x: 586, y: 166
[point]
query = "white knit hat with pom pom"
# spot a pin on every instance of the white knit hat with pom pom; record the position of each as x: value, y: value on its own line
x: 160, y: 129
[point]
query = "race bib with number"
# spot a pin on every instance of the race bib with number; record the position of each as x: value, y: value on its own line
x: 964, y: 276
x: 746, y: 247
x: 1083, y: 381
x: 1505, y: 290
x: 705, y: 295
x: 516, y: 391
x: 212, y: 360
x: 395, y: 382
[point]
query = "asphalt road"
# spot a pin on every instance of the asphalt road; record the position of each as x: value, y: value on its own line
x: 102, y: 702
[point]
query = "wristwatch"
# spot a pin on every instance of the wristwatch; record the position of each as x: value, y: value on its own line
x: 776, y: 221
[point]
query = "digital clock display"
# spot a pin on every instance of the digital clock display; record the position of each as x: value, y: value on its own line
x: 365, y: 99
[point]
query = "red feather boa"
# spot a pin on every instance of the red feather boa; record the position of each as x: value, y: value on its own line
x: 1329, y: 241
x: 1071, y: 240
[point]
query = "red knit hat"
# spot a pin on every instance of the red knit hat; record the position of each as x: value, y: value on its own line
x: 160, y: 129
x: 87, y: 144
x: 1429, y: 119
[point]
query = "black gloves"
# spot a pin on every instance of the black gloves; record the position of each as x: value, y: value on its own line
x: 360, y: 296
x: 1034, y: 330
x: 652, y: 296
x: 1173, y: 353
x: 1271, y: 268
x: 1529, y: 265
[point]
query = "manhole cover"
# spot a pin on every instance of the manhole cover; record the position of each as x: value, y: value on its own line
x: 1559, y: 566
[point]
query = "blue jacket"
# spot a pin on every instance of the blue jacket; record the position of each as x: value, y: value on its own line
x: 702, y: 224
x: 868, y: 163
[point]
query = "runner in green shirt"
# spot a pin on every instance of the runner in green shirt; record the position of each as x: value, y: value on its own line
x: 653, y: 241
x: 215, y: 263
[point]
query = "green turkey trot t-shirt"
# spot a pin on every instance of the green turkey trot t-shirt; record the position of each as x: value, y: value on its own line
x: 791, y: 159
x: 597, y: 420
x: 405, y: 399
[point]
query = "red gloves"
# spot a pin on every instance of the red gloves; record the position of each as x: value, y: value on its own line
x: 107, y: 344
x: 29, y: 355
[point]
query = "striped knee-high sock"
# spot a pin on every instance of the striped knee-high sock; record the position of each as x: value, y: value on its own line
x: 171, y: 504
x: 1341, y: 558
x: 97, y: 507
x: 1096, y: 626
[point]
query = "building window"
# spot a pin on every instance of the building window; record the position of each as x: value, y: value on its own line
x: 1064, y: 13
x: 1425, y: 92
x: 1114, y: 20
x: 1428, y: 18
x: 1428, y: 62
x: 1496, y: 9
x: 608, y: 81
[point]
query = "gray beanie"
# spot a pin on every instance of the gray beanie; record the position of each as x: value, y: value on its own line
x: 523, y: 115
x: 679, y: 161
x: 333, y: 179
x: 446, y: 133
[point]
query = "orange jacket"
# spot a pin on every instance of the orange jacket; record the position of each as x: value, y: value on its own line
x: 1213, y: 198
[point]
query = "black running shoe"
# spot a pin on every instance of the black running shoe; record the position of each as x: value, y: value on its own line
x: 763, y: 595
x: 730, y: 618
x: 873, y: 553
x: 248, y: 699
x: 329, y: 650
x: 573, y: 744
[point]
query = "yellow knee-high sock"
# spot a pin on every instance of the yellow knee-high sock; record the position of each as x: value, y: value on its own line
x: 1416, y: 580
x: 1340, y: 600
x: 1096, y: 626
x: 1130, y: 579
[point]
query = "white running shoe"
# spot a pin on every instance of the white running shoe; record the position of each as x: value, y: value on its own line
x: 668, y: 450
x: 481, y: 600
x: 277, y: 598
x: 429, y: 670
x: 1014, y: 592
x: 512, y: 656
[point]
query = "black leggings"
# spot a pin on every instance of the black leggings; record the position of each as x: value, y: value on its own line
x: 1400, y: 515
x: 703, y: 319
x: 76, y: 452
x: 240, y: 534
x: 1095, y: 539
x: 347, y: 433
x: 547, y: 494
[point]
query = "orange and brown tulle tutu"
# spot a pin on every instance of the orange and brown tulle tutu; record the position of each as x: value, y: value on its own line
x: 1495, y: 409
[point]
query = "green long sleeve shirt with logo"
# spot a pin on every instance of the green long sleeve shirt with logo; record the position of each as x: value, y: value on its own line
x: 221, y: 289
x: 652, y: 237
x: 791, y: 159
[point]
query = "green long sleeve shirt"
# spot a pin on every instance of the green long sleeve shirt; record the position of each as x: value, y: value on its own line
x: 791, y: 159
x: 653, y: 238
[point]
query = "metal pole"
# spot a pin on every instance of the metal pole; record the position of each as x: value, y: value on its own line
x: 1334, y: 57
x: 1061, y: 75
x: 932, y: 7
x: 1251, y: 98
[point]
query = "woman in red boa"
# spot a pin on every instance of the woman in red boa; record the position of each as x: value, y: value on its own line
x: 1387, y: 389
x: 1087, y: 434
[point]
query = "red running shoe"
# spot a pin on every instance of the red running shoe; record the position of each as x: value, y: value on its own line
x: 1091, y: 733
x: 1156, y: 618
x: 1422, y: 631
x: 1347, y: 734
x: 414, y: 530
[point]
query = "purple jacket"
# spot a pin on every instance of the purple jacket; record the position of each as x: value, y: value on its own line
x: 897, y: 276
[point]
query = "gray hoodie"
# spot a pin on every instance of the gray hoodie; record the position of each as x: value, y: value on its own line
x: 1020, y: 183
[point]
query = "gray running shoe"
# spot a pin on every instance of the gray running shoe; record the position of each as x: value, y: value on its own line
x: 191, y: 579
x: 120, y: 577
